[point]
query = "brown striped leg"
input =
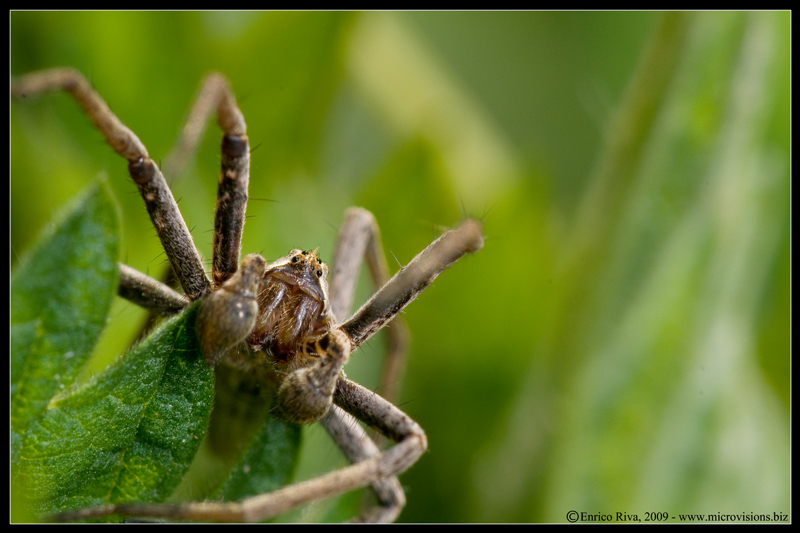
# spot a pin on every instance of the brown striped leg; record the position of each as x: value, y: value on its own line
x: 161, y: 206
x: 412, y: 279
x: 359, y: 239
x: 357, y: 447
x: 149, y: 293
x: 216, y: 96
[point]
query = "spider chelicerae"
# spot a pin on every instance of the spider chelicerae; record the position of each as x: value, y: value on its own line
x: 275, y: 326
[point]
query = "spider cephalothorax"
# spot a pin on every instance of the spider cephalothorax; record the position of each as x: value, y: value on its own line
x: 293, y: 307
x: 279, y: 315
x: 279, y: 309
x: 279, y: 325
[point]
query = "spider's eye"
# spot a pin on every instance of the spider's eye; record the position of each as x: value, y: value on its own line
x: 319, y: 273
x: 295, y: 259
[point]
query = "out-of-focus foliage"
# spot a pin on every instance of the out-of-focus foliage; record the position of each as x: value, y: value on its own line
x: 620, y: 344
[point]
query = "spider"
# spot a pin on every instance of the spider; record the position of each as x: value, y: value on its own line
x: 276, y: 327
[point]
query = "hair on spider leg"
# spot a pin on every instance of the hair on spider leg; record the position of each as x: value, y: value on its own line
x: 396, y: 260
x: 249, y: 198
x: 256, y: 147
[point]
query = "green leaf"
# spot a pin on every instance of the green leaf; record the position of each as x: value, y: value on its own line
x: 131, y: 432
x: 246, y: 451
x: 267, y: 464
x: 60, y: 296
x: 128, y: 435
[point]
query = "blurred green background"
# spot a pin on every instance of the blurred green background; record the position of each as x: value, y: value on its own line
x: 621, y: 344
